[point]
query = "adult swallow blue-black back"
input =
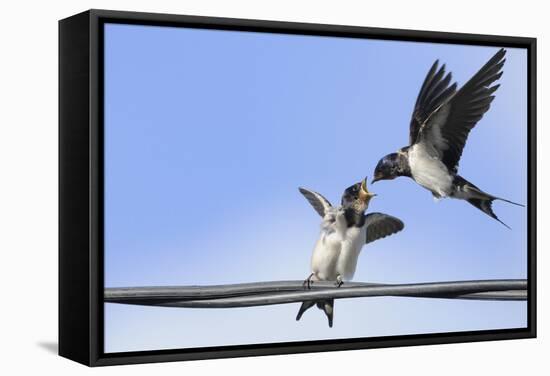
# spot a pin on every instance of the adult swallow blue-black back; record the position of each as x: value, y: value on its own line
x: 441, y: 122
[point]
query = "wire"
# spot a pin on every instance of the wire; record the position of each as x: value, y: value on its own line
x: 284, y: 292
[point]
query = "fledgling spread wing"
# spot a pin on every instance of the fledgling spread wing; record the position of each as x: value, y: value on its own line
x: 444, y: 122
x: 319, y: 203
x: 380, y: 225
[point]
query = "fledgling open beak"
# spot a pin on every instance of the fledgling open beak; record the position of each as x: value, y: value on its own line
x: 364, y: 193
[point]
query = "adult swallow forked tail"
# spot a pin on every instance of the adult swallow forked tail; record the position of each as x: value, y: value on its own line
x: 441, y: 121
x: 344, y: 231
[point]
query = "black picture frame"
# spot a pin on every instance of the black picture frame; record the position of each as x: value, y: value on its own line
x: 81, y: 181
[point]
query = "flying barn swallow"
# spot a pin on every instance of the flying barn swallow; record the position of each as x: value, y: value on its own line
x: 441, y: 121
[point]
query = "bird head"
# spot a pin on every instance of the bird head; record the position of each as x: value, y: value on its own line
x: 357, y: 196
x: 387, y: 168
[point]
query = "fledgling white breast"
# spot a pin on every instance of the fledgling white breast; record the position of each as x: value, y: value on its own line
x: 429, y: 171
x: 325, y: 255
x: 352, y: 244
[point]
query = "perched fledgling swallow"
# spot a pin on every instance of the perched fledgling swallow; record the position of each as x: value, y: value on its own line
x: 441, y: 121
x: 344, y: 231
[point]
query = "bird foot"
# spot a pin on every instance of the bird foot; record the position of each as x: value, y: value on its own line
x: 308, y: 282
x: 338, y: 282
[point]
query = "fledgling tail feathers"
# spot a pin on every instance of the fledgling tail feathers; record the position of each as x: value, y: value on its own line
x: 324, y: 305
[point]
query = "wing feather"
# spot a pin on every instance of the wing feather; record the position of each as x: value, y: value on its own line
x: 435, y: 90
x: 319, y: 203
x: 380, y: 225
x: 457, y: 116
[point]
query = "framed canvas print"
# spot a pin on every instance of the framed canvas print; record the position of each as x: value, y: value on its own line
x: 239, y: 187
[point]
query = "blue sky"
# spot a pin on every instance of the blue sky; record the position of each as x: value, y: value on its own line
x: 208, y: 135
